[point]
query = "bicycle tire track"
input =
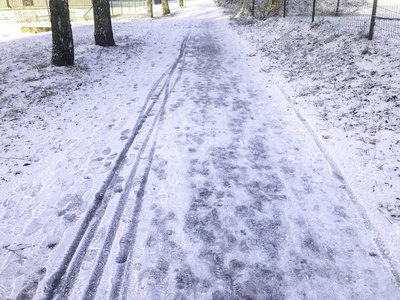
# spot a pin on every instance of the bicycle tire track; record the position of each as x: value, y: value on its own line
x: 103, y: 257
x: 104, y: 195
x: 97, y: 210
x: 134, y: 222
x: 96, y: 275
x: 122, y: 257
x: 100, y: 204
x: 126, y: 251
x: 75, y: 268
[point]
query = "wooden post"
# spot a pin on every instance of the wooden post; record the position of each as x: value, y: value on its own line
x: 47, y: 5
x: 373, y: 18
x: 313, y: 11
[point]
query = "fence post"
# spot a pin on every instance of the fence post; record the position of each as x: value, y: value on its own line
x: 284, y: 8
x: 337, y: 7
x: 373, y: 17
x: 47, y: 5
x: 313, y: 11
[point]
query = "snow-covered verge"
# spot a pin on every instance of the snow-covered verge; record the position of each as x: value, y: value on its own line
x: 348, y: 91
x: 56, y: 128
x: 215, y: 195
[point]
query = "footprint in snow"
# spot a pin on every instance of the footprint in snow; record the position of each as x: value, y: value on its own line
x: 106, y: 151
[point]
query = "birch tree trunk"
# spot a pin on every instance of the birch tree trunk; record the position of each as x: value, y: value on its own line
x: 63, y: 44
x: 103, y: 34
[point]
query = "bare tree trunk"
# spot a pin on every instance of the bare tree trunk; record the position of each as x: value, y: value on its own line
x: 150, y: 8
x: 165, y: 7
x: 103, y: 34
x: 63, y: 44
x: 273, y: 6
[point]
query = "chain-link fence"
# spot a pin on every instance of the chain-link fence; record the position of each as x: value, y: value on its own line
x: 40, y: 4
x: 123, y: 7
x: 388, y: 17
x: 356, y: 15
x: 38, y: 10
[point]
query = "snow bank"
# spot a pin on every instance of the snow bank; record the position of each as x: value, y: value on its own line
x: 348, y: 90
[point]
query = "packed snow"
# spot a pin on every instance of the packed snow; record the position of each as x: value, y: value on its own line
x: 203, y: 157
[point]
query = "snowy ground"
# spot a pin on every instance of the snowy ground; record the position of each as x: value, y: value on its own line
x: 348, y: 90
x: 173, y: 166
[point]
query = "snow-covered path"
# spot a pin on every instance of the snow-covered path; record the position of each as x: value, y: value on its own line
x: 206, y: 187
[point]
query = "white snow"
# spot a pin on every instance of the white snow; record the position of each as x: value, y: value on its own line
x: 348, y: 91
x: 323, y: 105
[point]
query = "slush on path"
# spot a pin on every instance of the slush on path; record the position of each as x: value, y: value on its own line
x: 217, y: 191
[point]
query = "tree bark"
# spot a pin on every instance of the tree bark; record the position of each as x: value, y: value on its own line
x: 273, y: 6
x: 63, y: 44
x: 165, y: 7
x: 103, y: 34
x: 150, y: 8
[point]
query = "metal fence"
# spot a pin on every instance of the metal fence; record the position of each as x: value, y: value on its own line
x: 352, y: 14
x: 38, y: 10
x: 40, y: 4
x: 388, y: 17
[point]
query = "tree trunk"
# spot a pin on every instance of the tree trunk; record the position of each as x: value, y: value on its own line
x: 63, y: 44
x: 273, y: 6
x: 150, y: 8
x: 103, y: 34
x: 165, y: 7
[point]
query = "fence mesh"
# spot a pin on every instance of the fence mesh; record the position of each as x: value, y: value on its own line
x: 388, y: 17
x: 355, y: 15
x: 38, y: 10
x: 352, y: 14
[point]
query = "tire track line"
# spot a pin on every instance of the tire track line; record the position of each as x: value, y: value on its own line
x: 96, y: 212
x: 113, y: 228
x: 74, y: 268
x: 122, y: 257
x: 127, y: 248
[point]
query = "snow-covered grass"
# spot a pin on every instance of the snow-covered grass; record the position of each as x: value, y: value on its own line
x: 55, y: 125
x: 348, y: 90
